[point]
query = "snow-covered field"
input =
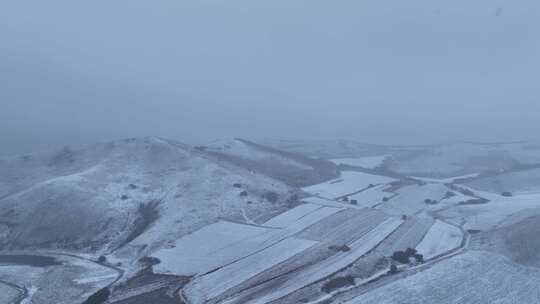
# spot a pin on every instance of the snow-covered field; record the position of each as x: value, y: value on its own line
x: 520, y: 182
x: 440, y: 239
x: 475, y: 277
x: 372, y: 196
x: 287, y: 218
x: 214, y: 284
x: 335, y: 263
x: 348, y: 183
x: 224, y: 243
x: 71, y: 282
x: 209, y: 248
x: 369, y: 162
x: 411, y: 199
x: 490, y: 215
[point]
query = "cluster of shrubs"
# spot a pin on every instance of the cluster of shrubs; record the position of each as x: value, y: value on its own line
x: 429, y: 201
x: 271, y: 196
x: 474, y: 201
x: 337, y: 283
x: 342, y: 248
x: 351, y: 201
x: 102, y: 259
x: 147, y: 261
x: 404, y: 257
x: 466, y: 192
x: 200, y: 148
x: 449, y: 194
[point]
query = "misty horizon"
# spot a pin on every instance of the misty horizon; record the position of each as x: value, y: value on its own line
x: 418, y: 73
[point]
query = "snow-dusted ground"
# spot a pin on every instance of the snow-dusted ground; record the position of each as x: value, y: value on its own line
x: 325, y: 202
x: 285, y: 219
x: 240, y: 149
x: 208, y: 248
x: 475, y: 277
x: 335, y: 263
x: 490, y: 215
x: 372, y: 196
x: 348, y: 183
x: 411, y: 199
x: 369, y: 162
x: 102, y: 186
x: 519, y: 182
x: 441, y: 238
x: 223, y: 243
x: 214, y: 284
x: 71, y: 282
x: 7, y: 293
x: 448, y: 180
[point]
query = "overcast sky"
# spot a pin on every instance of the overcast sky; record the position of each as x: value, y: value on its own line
x: 393, y: 71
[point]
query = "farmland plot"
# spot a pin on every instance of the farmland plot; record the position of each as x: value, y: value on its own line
x: 408, y: 235
x: 412, y: 199
x: 208, y: 248
x: 441, y: 238
x: 214, y: 284
x: 372, y: 196
x: 335, y: 263
x: 343, y: 227
x: 491, y: 215
x: 348, y: 183
x: 222, y: 243
x: 330, y: 203
x: 285, y: 219
x: 474, y: 277
x: 332, y: 233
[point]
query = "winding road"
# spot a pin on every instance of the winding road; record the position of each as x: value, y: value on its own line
x: 23, y: 292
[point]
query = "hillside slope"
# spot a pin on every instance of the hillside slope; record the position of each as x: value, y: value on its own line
x: 292, y: 168
x: 140, y: 191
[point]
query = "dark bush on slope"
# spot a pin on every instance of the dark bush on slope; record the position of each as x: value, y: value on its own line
x: 148, y: 213
x: 337, y: 283
x: 99, y: 297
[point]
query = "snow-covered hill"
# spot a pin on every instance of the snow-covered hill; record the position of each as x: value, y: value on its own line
x: 145, y: 192
x: 292, y: 168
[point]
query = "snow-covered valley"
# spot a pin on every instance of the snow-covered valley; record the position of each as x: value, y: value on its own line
x: 156, y: 221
